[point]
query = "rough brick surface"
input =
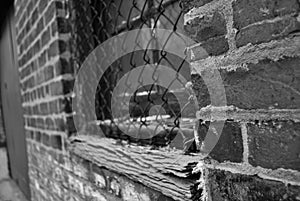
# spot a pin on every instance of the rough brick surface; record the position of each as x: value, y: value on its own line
x: 259, y: 86
x: 215, y: 46
x: 246, y: 12
x: 263, y: 146
x: 209, y: 31
x: 267, y: 31
x: 189, y: 4
x: 229, y: 146
x: 205, y: 27
x: 235, y: 187
x: 274, y: 144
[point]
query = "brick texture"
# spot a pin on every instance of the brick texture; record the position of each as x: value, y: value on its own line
x: 274, y: 144
x: 259, y: 86
x: 257, y: 155
x: 230, y: 146
x: 210, y: 30
x: 263, y: 21
x: 246, y: 12
x: 267, y: 31
x: 189, y: 4
x: 235, y: 187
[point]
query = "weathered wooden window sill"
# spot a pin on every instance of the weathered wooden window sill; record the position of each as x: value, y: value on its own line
x: 167, y: 171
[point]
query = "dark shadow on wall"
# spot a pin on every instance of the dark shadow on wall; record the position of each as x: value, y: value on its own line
x: 5, y: 8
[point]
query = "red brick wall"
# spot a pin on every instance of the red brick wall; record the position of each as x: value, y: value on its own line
x: 255, y: 46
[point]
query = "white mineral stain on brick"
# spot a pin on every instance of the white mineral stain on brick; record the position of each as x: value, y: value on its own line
x: 96, y: 195
x: 298, y: 18
x: 100, y: 181
x: 57, y: 188
x: 129, y: 193
x: 115, y: 186
x: 80, y: 170
x: 58, y: 174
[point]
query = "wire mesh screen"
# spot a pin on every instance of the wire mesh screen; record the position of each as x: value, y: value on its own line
x: 151, y: 106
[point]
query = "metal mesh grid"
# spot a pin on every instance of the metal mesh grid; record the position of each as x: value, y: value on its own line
x: 95, y: 21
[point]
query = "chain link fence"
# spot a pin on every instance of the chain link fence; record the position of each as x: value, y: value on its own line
x: 151, y: 106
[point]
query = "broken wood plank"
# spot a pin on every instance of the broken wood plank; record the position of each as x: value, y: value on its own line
x: 165, y: 170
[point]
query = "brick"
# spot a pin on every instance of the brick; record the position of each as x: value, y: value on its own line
x: 50, y: 12
x: 224, y: 185
x: 43, y: 108
x: 39, y: 77
x: 29, y: 8
x: 27, y: 26
x: 246, y: 12
x: 54, y: 28
x: 206, y: 27
x: 53, y: 50
x: 267, y: 31
x: 186, y: 5
x: 66, y: 105
x: 46, y: 139
x: 42, y: 5
x: 34, y: 95
x: 57, y: 48
x: 63, y: 66
x: 35, y: 109
x: 274, y: 144
x: 213, y: 47
x: 56, y: 88
x: 45, y: 37
x: 33, y: 66
x: 43, y: 59
x: 49, y: 124
x: 67, y: 86
x: 229, y: 146
x: 63, y: 25
x: 37, y: 47
x: 34, y: 16
x: 60, y: 124
x: 29, y: 134
x: 22, y: 21
x: 54, y: 106
x: 40, y: 25
x: 267, y: 84
x: 31, y: 122
x: 37, y: 136
x: 48, y: 72
x: 25, y: 71
x: 29, y: 54
x: 47, y: 90
x: 71, y: 129
x: 56, y: 142
x: 40, y: 92
x: 59, y: 5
